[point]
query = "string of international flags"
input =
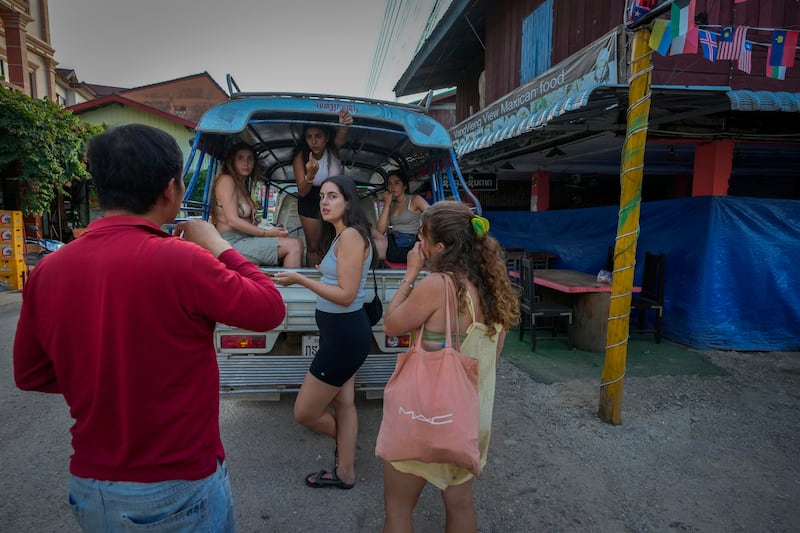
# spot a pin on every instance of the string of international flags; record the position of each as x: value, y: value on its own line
x: 680, y: 35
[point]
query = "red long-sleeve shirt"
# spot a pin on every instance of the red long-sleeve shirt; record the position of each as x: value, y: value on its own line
x: 121, y: 323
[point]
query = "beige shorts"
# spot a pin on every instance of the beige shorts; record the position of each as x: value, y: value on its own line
x: 259, y: 250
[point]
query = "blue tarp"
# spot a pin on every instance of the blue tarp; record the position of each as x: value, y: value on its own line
x: 732, y: 274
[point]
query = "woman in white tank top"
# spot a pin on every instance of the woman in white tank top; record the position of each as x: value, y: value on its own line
x: 315, y: 159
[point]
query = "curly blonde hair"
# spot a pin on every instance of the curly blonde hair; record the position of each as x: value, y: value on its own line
x: 478, y: 259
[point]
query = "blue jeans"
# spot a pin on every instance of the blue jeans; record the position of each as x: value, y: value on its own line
x: 174, y: 506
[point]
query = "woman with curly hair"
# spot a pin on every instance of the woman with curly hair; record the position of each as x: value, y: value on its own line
x: 455, y: 244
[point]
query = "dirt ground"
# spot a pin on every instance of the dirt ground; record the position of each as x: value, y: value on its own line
x: 692, y: 453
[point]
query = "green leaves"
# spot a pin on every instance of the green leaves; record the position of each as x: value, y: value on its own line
x: 48, y: 141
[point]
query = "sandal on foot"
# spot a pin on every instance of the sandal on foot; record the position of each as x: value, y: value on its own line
x: 319, y: 481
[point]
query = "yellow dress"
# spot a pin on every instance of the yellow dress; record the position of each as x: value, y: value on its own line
x: 479, y: 346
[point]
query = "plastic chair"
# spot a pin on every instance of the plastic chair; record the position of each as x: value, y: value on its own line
x: 532, y: 308
x: 652, y: 296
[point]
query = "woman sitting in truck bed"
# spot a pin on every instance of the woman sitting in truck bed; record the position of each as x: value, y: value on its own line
x: 399, y: 220
x: 233, y: 212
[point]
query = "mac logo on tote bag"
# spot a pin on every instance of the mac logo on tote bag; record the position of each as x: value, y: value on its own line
x: 436, y: 420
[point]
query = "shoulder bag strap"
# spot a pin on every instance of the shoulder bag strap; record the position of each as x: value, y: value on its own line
x: 448, y: 337
x: 374, y: 282
x: 448, y: 284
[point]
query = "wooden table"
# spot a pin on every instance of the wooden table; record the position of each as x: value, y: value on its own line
x: 590, y: 302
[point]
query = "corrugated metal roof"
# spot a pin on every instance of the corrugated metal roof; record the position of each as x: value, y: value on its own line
x: 764, y: 101
x: 740, y: 100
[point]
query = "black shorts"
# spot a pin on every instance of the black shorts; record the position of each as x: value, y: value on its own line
x: 344, y: 342
x: 308, y: 205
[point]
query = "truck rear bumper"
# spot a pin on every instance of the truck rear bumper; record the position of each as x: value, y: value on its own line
x: 265, y: 377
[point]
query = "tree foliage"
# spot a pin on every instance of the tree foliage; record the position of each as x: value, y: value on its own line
x: 49, y: 143
x: 198, y: 193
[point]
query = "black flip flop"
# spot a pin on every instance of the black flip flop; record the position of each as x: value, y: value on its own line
x: 321, y: 482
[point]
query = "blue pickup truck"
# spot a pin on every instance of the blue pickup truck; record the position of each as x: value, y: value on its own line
x: 384, y: 136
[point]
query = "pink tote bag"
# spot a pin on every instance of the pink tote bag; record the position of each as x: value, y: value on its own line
x: 430, y: 405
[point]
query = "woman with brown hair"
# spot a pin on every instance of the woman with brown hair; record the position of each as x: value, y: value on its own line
x: 345, y: 334
x: 233, y: 212
x: 455, y: 245
x: 399, y: 220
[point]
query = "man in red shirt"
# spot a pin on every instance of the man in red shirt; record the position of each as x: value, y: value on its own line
x: 121, y: 322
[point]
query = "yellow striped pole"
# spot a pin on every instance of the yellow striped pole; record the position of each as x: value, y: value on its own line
x: 627, y: 227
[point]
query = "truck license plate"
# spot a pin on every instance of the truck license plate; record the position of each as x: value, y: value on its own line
x: 310, y: 345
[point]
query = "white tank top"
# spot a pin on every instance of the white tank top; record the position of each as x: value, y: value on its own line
x: 329, y: 165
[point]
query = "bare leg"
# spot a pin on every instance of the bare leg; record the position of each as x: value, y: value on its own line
x: 312, y: 228
x: 290, y: 250
x: 459, y: 510
x: 311, y: 406
x: 400, y: 495
x: 346, y: 431
x: 310, y: 410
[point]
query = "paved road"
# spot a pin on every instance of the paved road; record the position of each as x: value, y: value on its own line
x: 268, y: 455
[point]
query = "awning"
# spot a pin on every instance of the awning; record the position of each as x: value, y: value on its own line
x: 764, y: 101
x: 528, y: 124
x: 589, y: 127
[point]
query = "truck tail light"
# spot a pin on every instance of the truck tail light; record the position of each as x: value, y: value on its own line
x: 403, y: 341
x: 240, y: 342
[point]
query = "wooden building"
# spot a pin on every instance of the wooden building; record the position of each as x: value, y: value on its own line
x: 542, y: 98
x: 714, y: 129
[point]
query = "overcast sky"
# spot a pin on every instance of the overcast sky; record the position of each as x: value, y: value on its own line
x: 266, y: 45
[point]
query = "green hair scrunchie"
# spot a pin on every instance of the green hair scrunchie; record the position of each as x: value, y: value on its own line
x: 480, y: 225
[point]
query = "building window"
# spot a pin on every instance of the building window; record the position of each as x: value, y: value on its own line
x: 2, y: 69
x: 180, y: 110
x: 537, y: 42
x: 32, y: 82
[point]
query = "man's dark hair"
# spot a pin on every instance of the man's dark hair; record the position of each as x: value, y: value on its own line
x: 131, y: 165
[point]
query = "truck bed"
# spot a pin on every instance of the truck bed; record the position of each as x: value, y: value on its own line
x: 280, y: 367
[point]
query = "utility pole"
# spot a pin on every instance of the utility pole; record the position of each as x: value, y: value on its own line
x: 631, y: 171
